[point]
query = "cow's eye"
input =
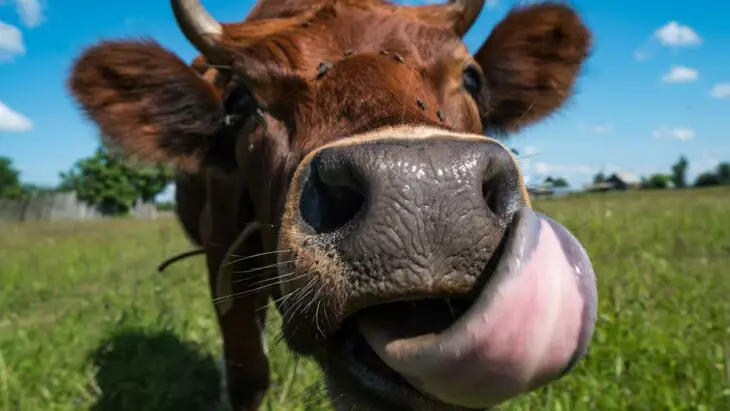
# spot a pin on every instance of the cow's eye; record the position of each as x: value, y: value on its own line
x: 471, y: 81
x: 239, y: 101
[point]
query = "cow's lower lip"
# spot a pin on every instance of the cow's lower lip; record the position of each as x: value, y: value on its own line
x: 529, y: 326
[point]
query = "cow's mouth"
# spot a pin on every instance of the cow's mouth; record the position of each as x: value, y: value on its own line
x: 420, y: 318
x: 527, y: 327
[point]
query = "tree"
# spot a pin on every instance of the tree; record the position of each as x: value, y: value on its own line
x: 149, y: 181
x: 679, y: 172
x: 109, y: 182
x: 599, y: 178
x: 707, y: 179
x: 659, y: 181
x: 557, y: 182
x: 723, y: 172
x: 10, y: 187
x: 720, y: 176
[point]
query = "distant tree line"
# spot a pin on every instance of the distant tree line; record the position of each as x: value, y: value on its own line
x: 106, y: 180
x: 677, y: 177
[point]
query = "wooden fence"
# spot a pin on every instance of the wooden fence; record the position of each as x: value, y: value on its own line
x: 62, y: 206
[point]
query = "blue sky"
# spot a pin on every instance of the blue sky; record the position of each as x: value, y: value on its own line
x: 657, y: 86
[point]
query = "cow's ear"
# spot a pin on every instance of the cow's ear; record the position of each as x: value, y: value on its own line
x: 531, y: 61
x: 148, y: 101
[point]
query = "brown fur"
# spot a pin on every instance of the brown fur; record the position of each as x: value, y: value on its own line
x: 388, y: 65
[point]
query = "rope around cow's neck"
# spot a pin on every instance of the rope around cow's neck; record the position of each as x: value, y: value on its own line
x: 163, y: 265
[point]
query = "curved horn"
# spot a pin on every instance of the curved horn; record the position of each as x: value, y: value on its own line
x: 201, y: 29
x: 469, y: 11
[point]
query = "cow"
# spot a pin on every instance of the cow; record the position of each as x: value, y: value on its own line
x: 346, y: 159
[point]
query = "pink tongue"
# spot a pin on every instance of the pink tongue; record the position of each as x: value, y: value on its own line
x: 527, y: 328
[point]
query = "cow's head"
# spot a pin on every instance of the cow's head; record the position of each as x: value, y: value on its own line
x: 414, y: 269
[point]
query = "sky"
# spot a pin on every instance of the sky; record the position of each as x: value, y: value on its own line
x: 656, y: 87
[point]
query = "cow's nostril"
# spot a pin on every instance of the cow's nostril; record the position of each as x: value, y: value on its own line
x: 331, y: 198
x: 502, y: 194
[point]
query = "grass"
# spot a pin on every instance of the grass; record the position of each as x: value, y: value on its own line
x: 87, y: 324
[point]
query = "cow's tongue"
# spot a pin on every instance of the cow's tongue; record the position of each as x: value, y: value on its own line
x: 528, y: 327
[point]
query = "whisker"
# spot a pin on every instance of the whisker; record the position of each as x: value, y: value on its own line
x: 250, y: 229
x: 528, y: 156
x: 262, y: 284
x: 289, y: 312
x: 304, y: 293
x: 260, y: 225
x: 316, y: 315
x: 278, y: 281
x: 269, y: 280
x: 277, y: 277
x: 527, y: 111
x: 264, y: 267
x: 244, y: 258
x: 243, y: 293
x: 285, y: 297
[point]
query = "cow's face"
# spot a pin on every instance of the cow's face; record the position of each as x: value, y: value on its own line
x: 412, y: 265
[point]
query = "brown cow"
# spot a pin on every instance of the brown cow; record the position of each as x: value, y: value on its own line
x: 333, y: 154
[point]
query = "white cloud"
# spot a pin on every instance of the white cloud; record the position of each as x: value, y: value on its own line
x: 596, y: 128
x: 30, y: 11
x: 680, y: 74
x: 676, y: 133
x: 12, y: 121
x: 11, y: 42
x: 674, y: 34
x: 720, y: 90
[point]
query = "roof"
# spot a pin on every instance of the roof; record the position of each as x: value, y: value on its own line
x: 627, y: 177
x: 598, y: 186
x: 540, y: 190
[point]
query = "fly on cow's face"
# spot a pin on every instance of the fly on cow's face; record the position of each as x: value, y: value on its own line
x: 323, y: 68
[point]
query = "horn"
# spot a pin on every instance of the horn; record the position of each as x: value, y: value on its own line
x: 201, y: 29
x: 469, y: 11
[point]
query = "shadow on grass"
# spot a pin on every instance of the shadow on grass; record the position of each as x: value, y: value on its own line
x: 139, y: 371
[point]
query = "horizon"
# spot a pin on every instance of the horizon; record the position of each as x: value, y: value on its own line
x: 655, y: 88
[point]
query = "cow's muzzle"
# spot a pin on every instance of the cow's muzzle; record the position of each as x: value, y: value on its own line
x: 420, y: 265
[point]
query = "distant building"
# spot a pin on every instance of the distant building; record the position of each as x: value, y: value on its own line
x: 542, y: 190
x: 623, y: 180
x: 600, y: 187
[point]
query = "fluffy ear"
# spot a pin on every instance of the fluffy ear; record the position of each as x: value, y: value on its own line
x: 531, y: 61
x: 148, y: 101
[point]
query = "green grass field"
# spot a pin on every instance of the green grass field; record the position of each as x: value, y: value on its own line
x: 87, y: 324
